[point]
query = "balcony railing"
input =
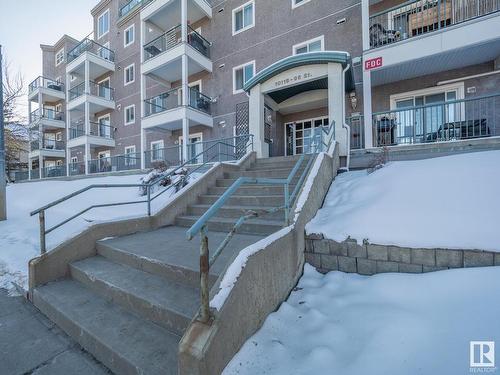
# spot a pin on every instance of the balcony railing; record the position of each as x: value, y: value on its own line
x: 47, y: 83
x: 55, y: 171
x: 88, y: 45
x: 172, y: 38
x: 173, y: 99
x: 116, y: 163
x: 95, y: 90
x: 77, y: 130
x: 131, y: 5
x: 46, y: 113
x: 453, y: 120
x: 47, y: 144
x: 418, y: 17
x: 77, y: 168
x: 357, y: 132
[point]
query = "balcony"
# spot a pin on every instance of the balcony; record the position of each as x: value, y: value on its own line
x: 131, y: 6
x: 166, y: 110
x: 100, y: 97
x: 163, y: 55
x: 165, y: 13
x: 116, y: 163
x: 455, y: 120
x: 101, y: 59
x: 54, y: 171
x: 47, y: 118
x: 48, y: 147
x: 428, y: 36
x: 49, y: 89
x: 100, y: 135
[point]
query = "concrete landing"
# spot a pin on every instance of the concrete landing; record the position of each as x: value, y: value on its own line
x: 31, y: 344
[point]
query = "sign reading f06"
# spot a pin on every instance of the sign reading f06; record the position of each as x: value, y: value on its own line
x: 373, y: 63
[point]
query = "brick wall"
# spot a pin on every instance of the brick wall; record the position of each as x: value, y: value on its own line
x: 369, y: 259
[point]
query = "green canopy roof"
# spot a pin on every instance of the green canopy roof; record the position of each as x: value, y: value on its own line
x: 311, y: 58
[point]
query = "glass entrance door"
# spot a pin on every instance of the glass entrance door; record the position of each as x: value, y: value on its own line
x: 301, y: 136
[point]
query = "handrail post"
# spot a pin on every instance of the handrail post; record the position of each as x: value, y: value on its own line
x: 204, y: 270
x: 287, y: 202
x: 41, y: 217
x: 149, y: 199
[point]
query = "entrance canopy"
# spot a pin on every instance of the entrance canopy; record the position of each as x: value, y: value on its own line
x: 312, y: 58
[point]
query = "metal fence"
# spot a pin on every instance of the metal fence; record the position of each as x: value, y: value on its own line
x: 77, y: 168
x: 173, y: 38
x: 88, y: 45
x: 357, y: 131
x: 47, y: 144
x: 117, y: 163
x: 54, y: 171
x: 453, y: 120
x: 418, y: 17
x: 46, y: 83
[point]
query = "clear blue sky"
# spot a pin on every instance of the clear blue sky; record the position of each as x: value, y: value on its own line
x: 25, y: 24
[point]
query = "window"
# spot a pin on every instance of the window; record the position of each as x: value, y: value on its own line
x: 59, y: 137
x: 241, y: 75
x: 130, y: 157
x: 313, y: 45
x: 60, y: 57
x: 74, y: 160
x: 129, y: 114
x: 59, y: 163
x: 59, y: 108
x: 129, y: 75
x: 73, y: 77
x: 244, y: 17
x: 298, y: 3
x: 103, y: 24
x: 157, y: 151
x: 129, y: 36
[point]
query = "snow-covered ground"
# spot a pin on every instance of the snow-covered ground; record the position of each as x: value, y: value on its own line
x: 447, y: 202
x: 343, y: 324
x: 19, y: 235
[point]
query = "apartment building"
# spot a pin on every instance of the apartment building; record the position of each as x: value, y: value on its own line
x: 157, y: 80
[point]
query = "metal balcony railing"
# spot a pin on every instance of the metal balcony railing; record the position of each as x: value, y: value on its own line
x: 46, y: 113
x: 132, y: 5
x: 172, y: 38
x: 95, y: 90
x: 449, y: 121
x: 357, y: 132
x: 77, y: 168
x: 54, y: 171
x: 88, y: 45
x: 77, y: 130
x: 47, y: 83
x: 116, y: 163
x: 173, y: 99
x: 47, y: 144
x: 418, y: 17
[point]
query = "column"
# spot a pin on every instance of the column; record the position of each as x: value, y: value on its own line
x: 336, y: 93
x: 256, y: 120
x: 365, y: 24
x: 367, y: 105
x: 30, y: 137
x: 68, y: 124
x: 40, y: 135
x: 142, y: 106
x: 87, y: 116
x: 184, y: 30
x: 185, y: 101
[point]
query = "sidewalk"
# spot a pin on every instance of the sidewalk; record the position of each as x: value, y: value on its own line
x: 31, y: 344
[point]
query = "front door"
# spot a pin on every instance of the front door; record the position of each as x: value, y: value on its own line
x: 195, y: 148
x: 302, y: 136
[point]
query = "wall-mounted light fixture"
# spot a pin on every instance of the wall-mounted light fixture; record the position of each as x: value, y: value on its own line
x: 354, y: 100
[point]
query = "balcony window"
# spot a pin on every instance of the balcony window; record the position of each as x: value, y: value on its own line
x: 241, y: 75
x: 244, y: 17
x: 103, y: 24
x: 313, y: 45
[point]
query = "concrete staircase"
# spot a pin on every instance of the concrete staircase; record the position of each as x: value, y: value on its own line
x: 130, y: 304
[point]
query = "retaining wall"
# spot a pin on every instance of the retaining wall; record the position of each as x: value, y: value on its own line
x: 369, y: 259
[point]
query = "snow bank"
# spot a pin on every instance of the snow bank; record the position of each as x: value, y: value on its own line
x: 19, y: 235
x: 343, y: 324
x: 447, y: 202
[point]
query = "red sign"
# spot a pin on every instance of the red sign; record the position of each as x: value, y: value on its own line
x: 373, y: 63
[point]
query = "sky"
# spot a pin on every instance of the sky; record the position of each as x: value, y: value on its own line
x: 25, y: 24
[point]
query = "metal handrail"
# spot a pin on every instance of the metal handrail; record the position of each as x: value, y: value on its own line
x: 147, y: 186
x: 200, y: 226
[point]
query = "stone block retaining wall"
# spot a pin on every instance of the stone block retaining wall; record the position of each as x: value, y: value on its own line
x: 369, y: 259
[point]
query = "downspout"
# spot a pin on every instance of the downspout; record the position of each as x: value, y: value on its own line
x: 344, y: 124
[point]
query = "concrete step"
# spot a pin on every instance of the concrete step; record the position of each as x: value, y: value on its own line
x: 257, y: 190
x: 167, y: 303
x: 122, y: 341
x: 279, y: 159
x: 259, y: 227
x: 235, y: 212
x: 166, y: 252
x: 246, y: 200
x: 268, y: 164
x: 263, y: 173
